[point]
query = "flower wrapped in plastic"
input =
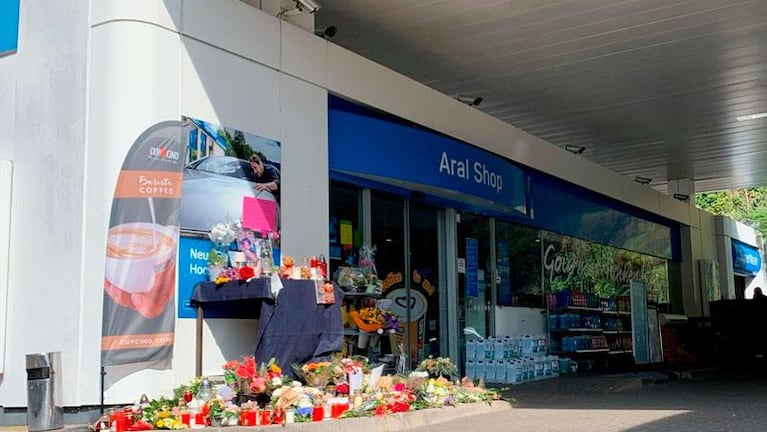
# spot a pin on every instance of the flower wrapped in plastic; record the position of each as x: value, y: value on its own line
x: 243, y: 377
x: 224, y: 233
x: 369, y: 319
x: 163, y: 414
x: 317, y: 374
x: 438, y: 367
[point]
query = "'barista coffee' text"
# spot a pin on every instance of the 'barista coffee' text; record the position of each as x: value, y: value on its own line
x: 478, y: 172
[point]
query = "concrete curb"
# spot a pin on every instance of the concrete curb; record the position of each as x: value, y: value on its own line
x: 388, y: 423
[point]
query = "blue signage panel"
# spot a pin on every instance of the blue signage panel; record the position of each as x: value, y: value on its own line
x: 472, y: 263
x: 192, y: 268
x: 9, y: 26
x: 389, y: 151
x: 745, y: 258
x: 503, y: 263
x: 373, y: 150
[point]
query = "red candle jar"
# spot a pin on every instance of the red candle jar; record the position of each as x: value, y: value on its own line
x: 335, y: 410
x: 251, y: 417
x: 266, y: 417
x: 120, y: 421
x: 318, y: 413
x: 186, y: 418
x: 279, y: 416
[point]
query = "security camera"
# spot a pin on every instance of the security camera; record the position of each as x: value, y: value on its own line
x: 469, y: 100
x: 309, y: 6
x: 575, y: 149
x: 327, y: 32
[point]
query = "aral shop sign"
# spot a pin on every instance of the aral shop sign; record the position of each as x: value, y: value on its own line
x: 557, y: 263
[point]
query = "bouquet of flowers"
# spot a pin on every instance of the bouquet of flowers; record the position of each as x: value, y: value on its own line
x: 369, y: 319
x: 222, y: 235
x: 438, y: 367
x: 317, y: 374
x: 243, y: 377
x: 163, y: 414
x: 390, y: 321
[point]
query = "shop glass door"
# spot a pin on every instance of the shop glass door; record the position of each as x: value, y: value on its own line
x: 474, y: 276
x: 406, y: 237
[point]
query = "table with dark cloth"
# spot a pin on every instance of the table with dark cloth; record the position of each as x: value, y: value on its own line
x: 294, y: 329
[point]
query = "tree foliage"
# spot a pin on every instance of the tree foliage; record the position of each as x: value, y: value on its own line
x: 237, y: 145
x: 748, y: 206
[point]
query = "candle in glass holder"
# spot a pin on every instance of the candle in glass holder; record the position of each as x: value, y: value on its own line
x: 279, y: 416
x: 186, y: 418
x: 335, y: 409
x: 266, y: 417
x: 318, y: 413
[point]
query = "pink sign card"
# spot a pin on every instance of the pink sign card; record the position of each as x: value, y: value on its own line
x: 259, y: 215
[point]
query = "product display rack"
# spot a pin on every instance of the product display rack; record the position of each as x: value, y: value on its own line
x: 593, y: 331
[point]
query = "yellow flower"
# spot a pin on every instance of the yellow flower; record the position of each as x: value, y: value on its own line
x: 160, y: 423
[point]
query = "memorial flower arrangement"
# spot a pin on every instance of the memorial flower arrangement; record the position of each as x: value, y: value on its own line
x: 224, y: 233
x: 389, y: 394
x: 438, y: 367
x: 348, y: 365
x: 243, y: 377
x: 318, y: 374
x: 163, y: 414
x: 188, y: 391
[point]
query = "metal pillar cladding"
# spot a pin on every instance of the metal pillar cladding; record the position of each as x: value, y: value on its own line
x: 44, y: 410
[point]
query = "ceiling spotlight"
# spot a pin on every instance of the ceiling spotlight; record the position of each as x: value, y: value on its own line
x: 327, y: 32
x: 469, y: 100
x: 575, y: 149
x: 309, y: 6
x: 642, y: 180
x: 681, y: 197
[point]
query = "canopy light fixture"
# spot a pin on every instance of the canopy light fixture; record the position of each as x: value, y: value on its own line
x: 469, y: 100
x: 681, y: 197
x: 642, y: 180
x: 575, y: 149
x: 751, y: 116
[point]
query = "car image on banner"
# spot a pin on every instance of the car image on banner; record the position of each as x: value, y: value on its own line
x: 213, y: 189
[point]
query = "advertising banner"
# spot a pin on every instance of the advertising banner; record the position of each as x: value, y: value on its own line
x: 139, y: 281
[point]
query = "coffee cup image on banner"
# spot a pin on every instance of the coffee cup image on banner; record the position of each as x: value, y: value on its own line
x: 141, y: 257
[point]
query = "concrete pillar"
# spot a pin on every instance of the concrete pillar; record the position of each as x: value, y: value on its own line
x: 682, y: 189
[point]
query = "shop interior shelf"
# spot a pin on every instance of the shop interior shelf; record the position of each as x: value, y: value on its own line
x: 623, y: 313
x: 575, y: 308
x: 583, y: 351
x: 617, y: 332
x: 578, y: 330
x: 621, y: 352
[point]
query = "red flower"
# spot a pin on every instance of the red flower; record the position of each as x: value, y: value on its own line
x: 246, y: 273
x: 380, y: 410
x: 342, y: 388
x: 399, y: 386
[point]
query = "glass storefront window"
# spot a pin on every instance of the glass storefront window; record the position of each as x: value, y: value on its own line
x: 344, y: 226
x: 574, y: 264
x: 518, y: 262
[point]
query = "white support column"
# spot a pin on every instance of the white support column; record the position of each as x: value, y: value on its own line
x: 682, y: 189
